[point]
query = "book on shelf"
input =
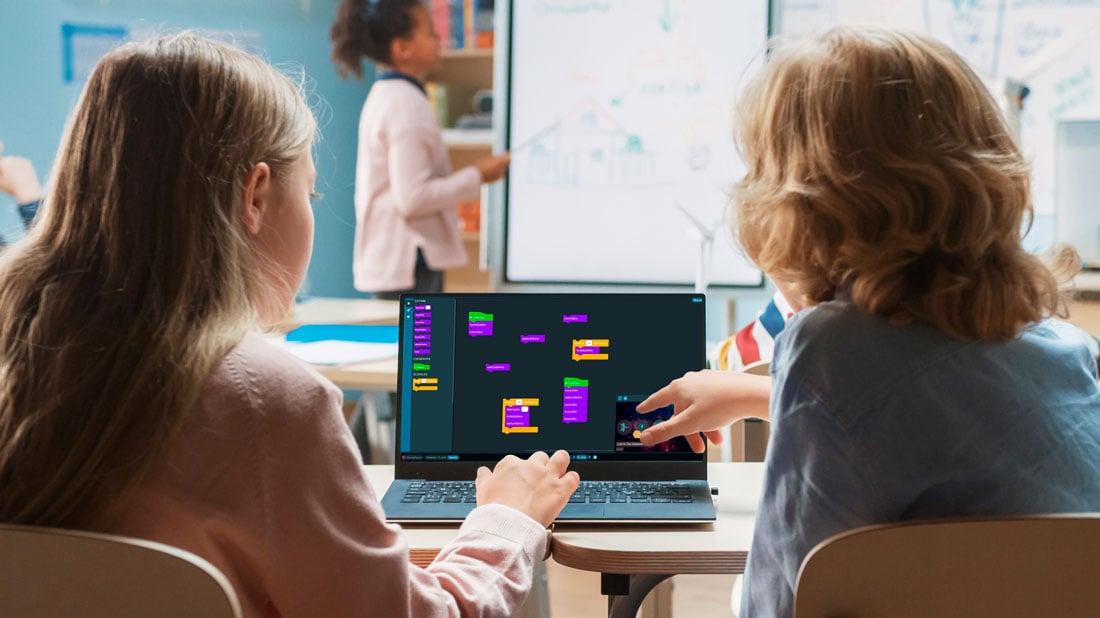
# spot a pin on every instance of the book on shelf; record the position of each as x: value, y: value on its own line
x: 469, y: 215
x: 437, y: 97
x: 483, y: 24
x: 464, y: 24
x: 441, y: 20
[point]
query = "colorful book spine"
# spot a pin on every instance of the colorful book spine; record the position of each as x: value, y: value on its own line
x: 458, y: 26
x: 469, y: 24
x: 437, y: 97
x: 483, y: 24
x: 441, y: 20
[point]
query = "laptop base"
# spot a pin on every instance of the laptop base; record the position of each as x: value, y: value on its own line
x: 699, y: 510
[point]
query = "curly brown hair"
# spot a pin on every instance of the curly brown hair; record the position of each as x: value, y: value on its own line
x: 881, y: 170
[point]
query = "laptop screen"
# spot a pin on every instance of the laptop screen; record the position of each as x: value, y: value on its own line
x: 484, y: 375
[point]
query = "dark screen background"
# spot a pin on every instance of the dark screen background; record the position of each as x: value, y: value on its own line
x: 654, y: 338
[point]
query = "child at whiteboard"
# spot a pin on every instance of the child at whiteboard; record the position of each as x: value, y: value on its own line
x: 406, y: 197
x: 138, y: 398
x: 924, y: 378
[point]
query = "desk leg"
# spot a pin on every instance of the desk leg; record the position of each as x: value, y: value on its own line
x: 625, y: 593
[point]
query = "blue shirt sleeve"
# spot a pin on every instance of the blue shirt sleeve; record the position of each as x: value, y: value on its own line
x: 28, y: 211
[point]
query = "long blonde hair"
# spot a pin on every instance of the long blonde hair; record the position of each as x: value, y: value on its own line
x: 881, y: 170
x: 139, y: 276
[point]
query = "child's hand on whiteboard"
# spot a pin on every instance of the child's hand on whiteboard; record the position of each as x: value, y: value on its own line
x: 17, y: 178
x: 492, y: 168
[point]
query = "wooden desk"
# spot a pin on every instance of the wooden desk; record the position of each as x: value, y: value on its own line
x: 342, y: 311
x: 634, y: 559
x: 379, y: 375
x: 1086, y: 316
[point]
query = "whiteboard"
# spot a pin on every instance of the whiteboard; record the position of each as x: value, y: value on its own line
x: 1053, y: 44
x: 1077, y: 160
x: 619, y: 120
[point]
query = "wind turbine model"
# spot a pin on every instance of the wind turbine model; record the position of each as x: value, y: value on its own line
x: 704, y: 235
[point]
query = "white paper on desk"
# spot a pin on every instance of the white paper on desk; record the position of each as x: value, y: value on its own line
x: 339, y: 352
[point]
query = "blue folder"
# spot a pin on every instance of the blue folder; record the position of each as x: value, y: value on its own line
x: 361, y: 333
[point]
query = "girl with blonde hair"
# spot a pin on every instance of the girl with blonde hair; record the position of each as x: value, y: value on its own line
x: 136, y: 397
x: 924, y: 377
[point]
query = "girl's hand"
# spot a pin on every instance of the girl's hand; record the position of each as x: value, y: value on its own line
x: 17, y: 178
x: 538, y: 487
x: 492, y: 168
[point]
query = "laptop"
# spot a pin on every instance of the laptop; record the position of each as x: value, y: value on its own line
x: 485, y: 375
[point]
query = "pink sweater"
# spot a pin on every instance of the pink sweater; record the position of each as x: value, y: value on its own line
x: 264, y: 481
x: 405, y: 194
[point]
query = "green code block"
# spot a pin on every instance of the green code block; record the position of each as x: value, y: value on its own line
x: 574, y: 382
x: 421, y: 367
x: 477, y: 316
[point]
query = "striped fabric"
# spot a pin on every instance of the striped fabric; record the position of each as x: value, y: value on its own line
x: 756, y: 340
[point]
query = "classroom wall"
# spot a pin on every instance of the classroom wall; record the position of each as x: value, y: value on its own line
x: 35, y: 97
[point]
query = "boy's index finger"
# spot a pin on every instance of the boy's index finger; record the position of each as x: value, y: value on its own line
x: 655, y: 401
x: 663, y: 432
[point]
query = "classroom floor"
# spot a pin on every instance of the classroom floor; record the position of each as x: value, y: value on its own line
x: 576, y: 594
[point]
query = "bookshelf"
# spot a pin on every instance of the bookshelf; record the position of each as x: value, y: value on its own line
x: 462, y: 73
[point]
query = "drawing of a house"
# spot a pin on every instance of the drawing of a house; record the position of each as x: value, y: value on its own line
x: 589, y: 148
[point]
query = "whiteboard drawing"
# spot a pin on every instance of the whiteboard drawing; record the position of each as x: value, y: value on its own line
x: 614, y: 110
x: 589, y: 148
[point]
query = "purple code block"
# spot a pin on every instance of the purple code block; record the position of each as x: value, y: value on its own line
x: 586, y: 350
x: 491, y: 367
x: 422, y: 351
x: 422, y: 322
x: 574, y: 416
x: 480, y: 329
x: 421, y: 337
x: 422, y: 329
x: 532, y: 338
x: 517, y: 416
x: 574, y: 404
x: 574, y: 318
x: 422, y: 314
x: 422, y: 307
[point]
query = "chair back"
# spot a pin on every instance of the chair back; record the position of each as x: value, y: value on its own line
x: 1041, y: 565
x: 48, y: 573
x: 759, y: 368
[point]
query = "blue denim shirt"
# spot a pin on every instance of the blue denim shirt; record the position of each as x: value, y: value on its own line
x: 875, y: 423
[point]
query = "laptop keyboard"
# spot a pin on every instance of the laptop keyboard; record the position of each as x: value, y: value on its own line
x: 441, y: 491
x: 592, y: 492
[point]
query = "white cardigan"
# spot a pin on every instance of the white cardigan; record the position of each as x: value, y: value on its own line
x: 405, y: 196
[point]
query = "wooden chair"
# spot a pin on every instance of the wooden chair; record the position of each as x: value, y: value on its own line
x: 1041, y: 565
x: 51, y: 573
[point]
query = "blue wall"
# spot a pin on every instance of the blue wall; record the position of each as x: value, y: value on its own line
x: 35, y: 98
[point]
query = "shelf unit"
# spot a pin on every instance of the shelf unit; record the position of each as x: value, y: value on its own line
x: 464, y: 72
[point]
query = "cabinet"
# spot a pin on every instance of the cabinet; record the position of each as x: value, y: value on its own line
x: 463, y: 72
